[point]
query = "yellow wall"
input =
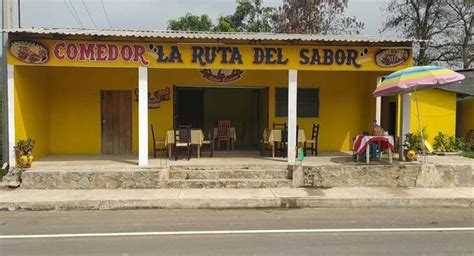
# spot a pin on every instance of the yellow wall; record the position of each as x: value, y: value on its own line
x: 71, y: 99
x: 75, y: 106
x: 466, y: 116
x: 31, y: 108
x: 437, y: 112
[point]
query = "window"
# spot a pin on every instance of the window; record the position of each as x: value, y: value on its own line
x: 308, y: 102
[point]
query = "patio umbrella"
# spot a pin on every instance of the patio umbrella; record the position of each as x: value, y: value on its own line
x: 412, y: 79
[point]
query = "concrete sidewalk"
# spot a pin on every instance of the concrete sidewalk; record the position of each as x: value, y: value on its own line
x: 29, y: 199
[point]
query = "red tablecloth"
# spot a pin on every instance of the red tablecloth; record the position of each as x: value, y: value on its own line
x: 361, y: 142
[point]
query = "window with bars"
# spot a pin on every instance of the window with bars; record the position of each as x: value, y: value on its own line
x: 307, y: 102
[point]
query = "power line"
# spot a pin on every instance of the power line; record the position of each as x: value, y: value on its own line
x: 72, y: 14
x: 106, y: 15
x: 76, y: 14
x: 88, y: 13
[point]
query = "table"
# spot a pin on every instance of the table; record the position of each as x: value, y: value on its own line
x: 197, y: 137
x: 362, y: 143
x: 232, y: 133
x: 275, y: 136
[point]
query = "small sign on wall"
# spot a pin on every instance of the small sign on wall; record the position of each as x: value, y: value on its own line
x: 155, y: 98
x: 221, y: 75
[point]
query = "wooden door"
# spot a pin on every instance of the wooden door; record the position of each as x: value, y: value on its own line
x: 116, y: 111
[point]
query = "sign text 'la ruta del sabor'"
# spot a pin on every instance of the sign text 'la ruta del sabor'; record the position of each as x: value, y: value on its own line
x: 207, y: 55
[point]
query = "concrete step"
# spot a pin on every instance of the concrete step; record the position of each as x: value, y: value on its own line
x: 229, y: 167
x: 132, y: 178
x: 230, y: 183
x: 228, y: 174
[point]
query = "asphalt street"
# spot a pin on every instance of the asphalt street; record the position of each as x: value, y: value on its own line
x: 420, y: 231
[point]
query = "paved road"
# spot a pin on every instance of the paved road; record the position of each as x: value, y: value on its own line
x: 310, y: 241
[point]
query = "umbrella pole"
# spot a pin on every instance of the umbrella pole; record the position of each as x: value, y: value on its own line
x: 421, y: 129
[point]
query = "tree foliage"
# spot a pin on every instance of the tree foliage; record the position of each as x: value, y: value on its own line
x: 250, y: 16
x: 317, y: 16
x: 444, y: 28
x: 190, y: 22
x: 459, y: 50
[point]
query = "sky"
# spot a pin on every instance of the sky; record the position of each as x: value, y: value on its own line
x: 154, y: 14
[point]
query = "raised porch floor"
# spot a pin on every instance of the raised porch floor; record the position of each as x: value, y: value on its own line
x: 219, y: 158
x: 240, y: 169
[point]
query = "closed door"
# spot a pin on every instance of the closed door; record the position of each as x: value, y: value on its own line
x: 116, y: 108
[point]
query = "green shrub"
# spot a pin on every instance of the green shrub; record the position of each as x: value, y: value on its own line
x: 449, y: 143
x: 413, y: 140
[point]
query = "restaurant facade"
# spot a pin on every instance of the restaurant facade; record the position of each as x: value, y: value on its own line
x: 78, y: 91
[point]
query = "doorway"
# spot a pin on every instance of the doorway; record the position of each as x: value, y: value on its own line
x: 389, y: 114
x: 116, y: 118
x: 203, y: 107
x: 189, y: 107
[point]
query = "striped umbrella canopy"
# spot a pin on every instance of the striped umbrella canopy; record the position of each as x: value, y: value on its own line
x: 416, y: 78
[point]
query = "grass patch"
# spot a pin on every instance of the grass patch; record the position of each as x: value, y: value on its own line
x: 469, y: 154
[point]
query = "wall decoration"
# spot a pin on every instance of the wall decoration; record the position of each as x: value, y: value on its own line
x: 155, y: 98
x: 222, y: 75
x: 29, y: 52
x: 391, y: 57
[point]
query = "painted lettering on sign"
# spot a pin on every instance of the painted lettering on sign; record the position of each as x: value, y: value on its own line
x: 330, y: 57
x: 100, y: 52
x: 272, y: 56
x: 207, y: 55
x: 202, y: 56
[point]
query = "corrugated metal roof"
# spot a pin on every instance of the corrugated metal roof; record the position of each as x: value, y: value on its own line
x: 168, y: 34
x: 465, y: 86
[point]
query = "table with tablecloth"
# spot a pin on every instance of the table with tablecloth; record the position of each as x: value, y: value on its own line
x: 232, y: 134
x: 197, y: 137
x: 362, y: 144
x: 274, y: 137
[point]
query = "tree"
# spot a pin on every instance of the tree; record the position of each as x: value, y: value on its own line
x: 425, y: 20
x: 249, y: 16
x: 225, y: 25
x: 317, y: 17
x: 459, y: 50
x: 191, y: 22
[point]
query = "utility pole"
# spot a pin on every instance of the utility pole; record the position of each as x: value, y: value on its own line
x: 7, y: 23
x: 19, y: 13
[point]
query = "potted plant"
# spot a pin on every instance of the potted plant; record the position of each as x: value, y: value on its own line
x: 411, y: 146
x: 23, y: 150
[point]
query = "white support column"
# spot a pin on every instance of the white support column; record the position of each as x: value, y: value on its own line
x: 405, y: 121
x: 11, y: 115
x: 142, y: 116
x: 378, y: 104
x: 292, y: 115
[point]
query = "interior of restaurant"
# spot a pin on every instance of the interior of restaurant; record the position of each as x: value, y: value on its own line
x: 245, y: 107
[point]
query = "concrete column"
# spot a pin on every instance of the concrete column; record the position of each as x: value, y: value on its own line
x: 405, y: 121
x: 142, y: 116
x: 11, y: 115
x: 378, y: 104
x: 292, y: 115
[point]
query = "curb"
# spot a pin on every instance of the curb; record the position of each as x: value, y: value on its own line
x: 244, y: 203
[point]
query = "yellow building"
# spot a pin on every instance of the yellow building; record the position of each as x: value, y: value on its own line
x: 99, y: 91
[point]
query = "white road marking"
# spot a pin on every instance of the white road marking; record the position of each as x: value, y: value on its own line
x: 237, y: 232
